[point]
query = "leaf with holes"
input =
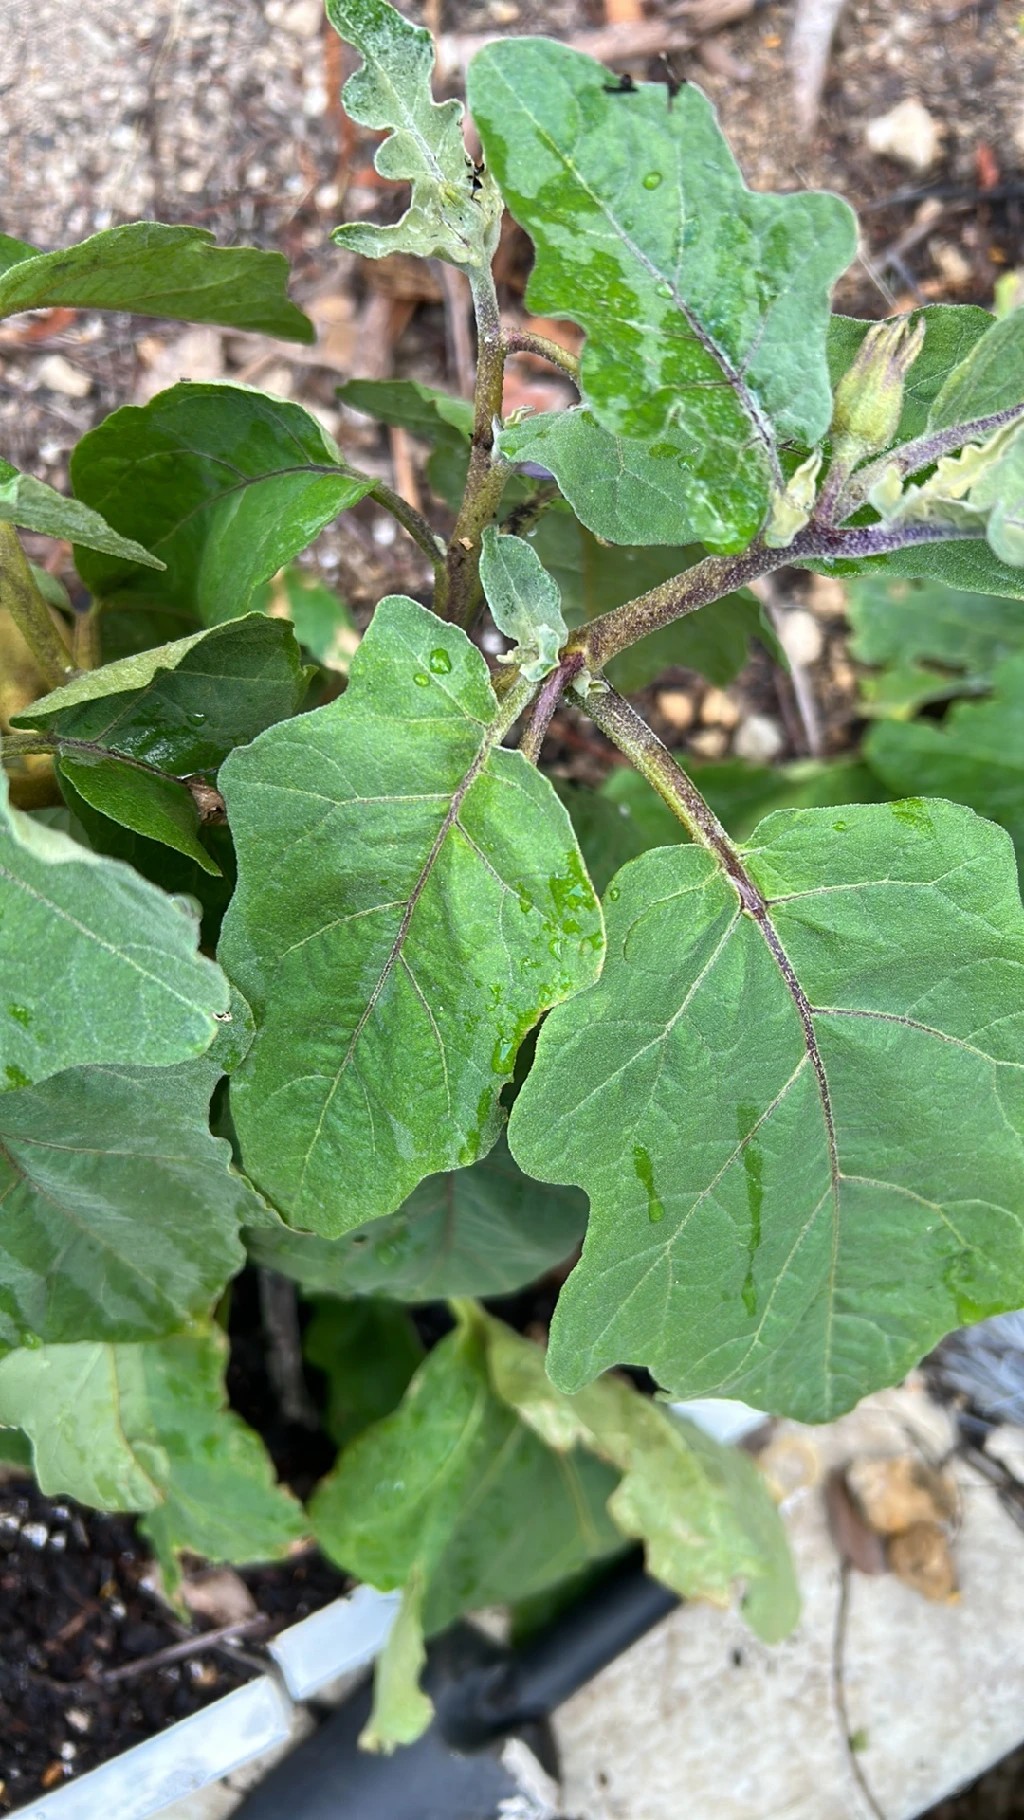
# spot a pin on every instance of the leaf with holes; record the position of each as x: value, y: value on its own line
x: 147, y: 1428
x: 764, y: 1098
x: 222, y: 483
x: 99, y: 966
x: 483, y: 1231
x: 455, y: 211
x: 121, y: 1213
x: 410, y: 896
x: 153, y: 270
x: 705, y: 305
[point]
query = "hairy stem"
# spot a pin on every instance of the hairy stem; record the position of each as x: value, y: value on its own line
x: 29, y: 611
x: 415, y: 524
x: 546, y: 703
x: 524, y: 341
x: 625, y: 728
x: 924, y: 451
x: 485, y: 480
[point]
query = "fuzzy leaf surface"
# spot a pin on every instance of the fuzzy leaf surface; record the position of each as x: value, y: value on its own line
x: 119, y: 1213
x: 769, y: 1115
x: 182, y: 706
x: 159, y: 808
x: 438, y: 1499
x: 223, y: 483
x: 99, y: 965
x: 147, y: 1428
x: 525, y: 601
x: 483, y: 1231
x: 37, y: 507
x: 705, y: 305
x: 154, y: 270
x: 453, y: 214
x: 974, y: 756
x: 409, y: 893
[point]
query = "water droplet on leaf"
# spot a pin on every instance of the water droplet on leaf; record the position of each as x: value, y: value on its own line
x: 440, y: 662
x: 421, y: 679
x: 652, y: 180
x: 663, y: 290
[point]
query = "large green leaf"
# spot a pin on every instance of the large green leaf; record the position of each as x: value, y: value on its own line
x: 454, y: 213
x: 147, y: 1428
x: 797, y: 1113
x: 483, y: 1231
x: 37, y: 507
x: 410, y: 898
x: 223, y: 483
x: 98, y: 965
x: 442, y: 1499
x: 119, y: 1213
x: 183, y: 706
x: 988, y: 379
x: 974, y: 756
x: 929, y: 642
x: 706, y: 306
x: 702, y: 1510
x: 153, y: 270
x: 621, y: 489
x: 407, y: 404
x: 594, y: 577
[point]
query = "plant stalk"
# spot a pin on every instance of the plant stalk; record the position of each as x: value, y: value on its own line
x: 524, y: 341
x: 924, y: 451
x: 547, y: 701
x: 485, y: 481
x: 29, y: 611
x: 419, y: 530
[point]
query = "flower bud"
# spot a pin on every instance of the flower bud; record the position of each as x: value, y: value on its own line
x: 869, y: 396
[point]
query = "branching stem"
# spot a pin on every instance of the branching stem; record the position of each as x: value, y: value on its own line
x: 29, y: 611
x: 524, y: 341
x: 547, y: 701
x: 415, y: 524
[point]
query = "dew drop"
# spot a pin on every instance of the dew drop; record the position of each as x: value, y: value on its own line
x: 195, y: 718
x: 21, y: 1015
x: 613, y: 894
x: 421, y: 679
x: 440, y: 662
x: 663, y: 290
x: 652, y: 180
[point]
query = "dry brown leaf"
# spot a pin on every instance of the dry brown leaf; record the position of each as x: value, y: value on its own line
x: 895, y: 1494
x: 922, y: 1558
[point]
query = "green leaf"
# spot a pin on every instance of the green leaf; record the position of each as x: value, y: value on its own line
x: 930, y: 642
x: 147, y: 1428
x: 153, y: 270
x: 423, y: 410
x: 454, y: 213
x: 442, y: 1498
x: 225, y: 485
x: 705, y: 305
x: 15, y: 1448
x: 988, y: 379
x: 397, y: 866
x: 99, y: 966
x: 120, y: 1213
x: 702, y: 1510
x: 323, y: 621
x: 37, y: 507
x: 974, y: 756
x: 484, y: 1231
x: 183, y: 706
x: 160, y: 808
x: 525, y: 602
x: 595, y: 577
x: 951, y: 331
x: 620, y: 489
x: 1000, y: 494
x: 763, y: 1107
x: 367, y: 1351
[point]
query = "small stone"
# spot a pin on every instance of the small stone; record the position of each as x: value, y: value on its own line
x: 719, y: 710
x: 710, y: 742
x: 78, y: 1719
x: 955, y: 269
x: 759, y: 739
x: 303, y: 18
x: 505, y: 12
x: 675, y: 706
x: 802, y: 637
x: 907, y: 133
x: 58, y: 375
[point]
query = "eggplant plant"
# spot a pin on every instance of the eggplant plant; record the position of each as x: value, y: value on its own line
x: 773, y: 1085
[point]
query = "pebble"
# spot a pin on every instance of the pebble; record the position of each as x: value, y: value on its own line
x: 58, y: 375
x: 802, y: 637
x: 719, y: 710
x: 710, y: 742
x: 303, y: 18
x: 759, y: 739
x: 676, y: 707
x: 907, y: 133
